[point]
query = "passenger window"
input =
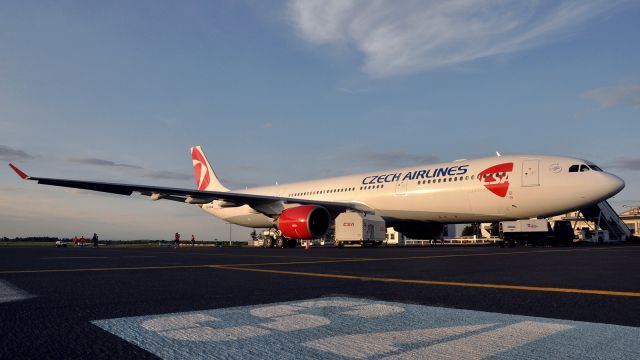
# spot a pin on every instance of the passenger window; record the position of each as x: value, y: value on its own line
x: 574, y: 168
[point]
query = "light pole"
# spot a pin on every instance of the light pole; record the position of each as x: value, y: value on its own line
x: 229, y: 234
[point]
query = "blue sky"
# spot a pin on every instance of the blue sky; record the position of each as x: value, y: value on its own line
x: 285, y: 91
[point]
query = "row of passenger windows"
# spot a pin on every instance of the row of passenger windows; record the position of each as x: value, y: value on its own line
x: 460, y: 178
x: 583, y: 168
x: 319, y: 192
x: 370, y: 187
x: 434, y: 181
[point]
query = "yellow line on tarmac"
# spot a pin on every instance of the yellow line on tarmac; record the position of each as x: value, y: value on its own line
x: 425, y: 257
x: 105, y: 269
x: 441, y: 283
x: 275, y: 256
x: 337, y: 260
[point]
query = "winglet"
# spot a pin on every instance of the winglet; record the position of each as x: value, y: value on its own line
x: 19, y: 172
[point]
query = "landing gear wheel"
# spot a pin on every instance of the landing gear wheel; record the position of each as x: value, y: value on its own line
x: 280, y: 243
x: 268, y: 242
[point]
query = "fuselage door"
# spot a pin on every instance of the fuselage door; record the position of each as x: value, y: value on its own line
x: 531, y: 173
x: 401, y: 188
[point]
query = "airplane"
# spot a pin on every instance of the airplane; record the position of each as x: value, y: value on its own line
x: 416, y: 201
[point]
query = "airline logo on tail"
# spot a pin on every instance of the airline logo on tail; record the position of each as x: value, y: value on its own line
x: 200, y: 169
x: 496, y: 178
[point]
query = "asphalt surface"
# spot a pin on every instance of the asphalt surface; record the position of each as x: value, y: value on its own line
x: 58, y: 302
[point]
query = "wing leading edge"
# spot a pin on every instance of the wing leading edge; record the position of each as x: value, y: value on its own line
x: 259, y: 202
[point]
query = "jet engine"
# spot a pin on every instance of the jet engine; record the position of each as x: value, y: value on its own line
x: 304, y: 222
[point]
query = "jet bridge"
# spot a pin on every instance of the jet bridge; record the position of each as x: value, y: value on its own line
x: 605, y: 218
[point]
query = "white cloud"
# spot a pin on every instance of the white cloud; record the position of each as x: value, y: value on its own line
x: 134, y: 169
x: 632, y: 164
x: 628, y: 95
x: 401, y: 37
x: 9, y: 153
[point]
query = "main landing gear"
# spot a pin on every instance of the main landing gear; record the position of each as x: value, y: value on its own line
x: 274, y: 238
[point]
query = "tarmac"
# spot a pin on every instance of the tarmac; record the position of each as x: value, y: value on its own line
x: 353, y: 303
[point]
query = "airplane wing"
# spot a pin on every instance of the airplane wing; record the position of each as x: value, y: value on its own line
x: 269, y: 205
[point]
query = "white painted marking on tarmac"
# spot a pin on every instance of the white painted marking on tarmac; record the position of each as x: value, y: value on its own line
x: 296, y: 322
x: 374, y: 310
x: 276, y: 310
x: 484, y: 345
x: 9, y: 293
x: 362, y: 346
x: 191, y: 327
x: 347, y: 328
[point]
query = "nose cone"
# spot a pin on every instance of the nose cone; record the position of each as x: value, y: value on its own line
x: 614, y: 184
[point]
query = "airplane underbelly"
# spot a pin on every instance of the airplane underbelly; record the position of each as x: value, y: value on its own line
x: 242, y: 215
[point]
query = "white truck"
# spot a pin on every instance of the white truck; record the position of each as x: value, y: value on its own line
x: 355, y: 228
x: 532, y: 231
x: 594, y: 236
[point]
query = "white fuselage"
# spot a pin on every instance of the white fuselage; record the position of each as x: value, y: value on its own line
x: 482, y: 190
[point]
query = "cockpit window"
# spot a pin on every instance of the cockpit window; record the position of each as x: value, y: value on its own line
x: 574, y: 168
x: 584, y: 168
x: 594, y: 167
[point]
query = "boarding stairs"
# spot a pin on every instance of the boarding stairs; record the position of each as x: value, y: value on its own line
x: 605, y: 218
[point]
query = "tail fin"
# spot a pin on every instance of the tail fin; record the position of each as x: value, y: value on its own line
x: 206, y: 179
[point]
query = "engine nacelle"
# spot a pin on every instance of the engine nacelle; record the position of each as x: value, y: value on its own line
x: 304, y: 222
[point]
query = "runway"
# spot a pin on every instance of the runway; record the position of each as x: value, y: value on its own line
x: 321, y: 302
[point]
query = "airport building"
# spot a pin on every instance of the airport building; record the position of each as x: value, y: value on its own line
x: 632, y: 219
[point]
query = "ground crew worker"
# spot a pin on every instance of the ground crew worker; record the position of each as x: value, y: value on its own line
x: 177, y: 240
x: 95, y: 240
x: 193, y: 240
